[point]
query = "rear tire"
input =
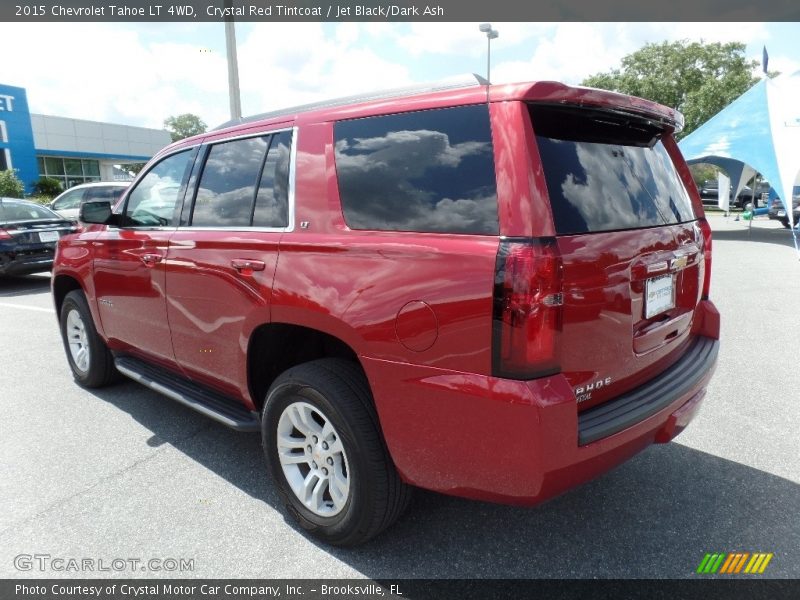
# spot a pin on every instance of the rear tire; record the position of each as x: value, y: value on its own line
x: 324, y: 449
x: 89, y: 358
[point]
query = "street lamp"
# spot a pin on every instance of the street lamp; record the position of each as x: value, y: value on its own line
x: 491, y: 34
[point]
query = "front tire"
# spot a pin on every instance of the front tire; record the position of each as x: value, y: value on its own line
x: 89, y: 358
x: 324, y: 448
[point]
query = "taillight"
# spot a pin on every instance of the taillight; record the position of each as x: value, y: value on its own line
x: 705, y: 229
x: 4, y: 235
x: 528, y: 303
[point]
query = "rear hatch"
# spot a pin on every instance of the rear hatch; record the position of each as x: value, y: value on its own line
x: 631, y: 249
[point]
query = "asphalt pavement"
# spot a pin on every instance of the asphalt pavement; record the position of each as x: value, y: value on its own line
x: 123, y: 473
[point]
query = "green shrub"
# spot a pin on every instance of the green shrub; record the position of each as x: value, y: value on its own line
x: 10, y: 185
x: 47, y: 186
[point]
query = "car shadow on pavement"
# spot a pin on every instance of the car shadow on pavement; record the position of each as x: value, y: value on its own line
x: 24, y: 285
x: 655, y: 516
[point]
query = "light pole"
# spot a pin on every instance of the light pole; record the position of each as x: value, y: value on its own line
x: 233, y: 65
x: 491, y: 34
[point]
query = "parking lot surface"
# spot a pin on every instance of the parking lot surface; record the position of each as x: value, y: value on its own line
x: 125, y: 473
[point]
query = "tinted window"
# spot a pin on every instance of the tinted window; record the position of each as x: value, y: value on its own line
x: 228, y: 184
x: 422, y: 171
x: 607, y: 172
x: 272, y: 202
x: 152, y: 202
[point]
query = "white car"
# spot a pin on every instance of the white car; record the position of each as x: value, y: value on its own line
x: 68, y: 203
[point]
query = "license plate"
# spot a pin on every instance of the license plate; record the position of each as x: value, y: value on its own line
x: 48, y: 236
x: 781, y: 213
x: 659, y: 295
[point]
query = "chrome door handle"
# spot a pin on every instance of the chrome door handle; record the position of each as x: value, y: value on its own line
x: 151, y: 259
x: 245, y: 264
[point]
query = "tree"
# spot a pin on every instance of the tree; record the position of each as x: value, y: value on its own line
x: 696, y: 78
x: 183, y: 126
x: 10, y: 185
x: 47, y: 187
x: 134, y: 168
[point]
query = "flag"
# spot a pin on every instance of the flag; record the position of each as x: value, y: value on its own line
x: 764, y: 60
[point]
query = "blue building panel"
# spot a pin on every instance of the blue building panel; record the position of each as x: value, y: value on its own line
x: 16, y: 138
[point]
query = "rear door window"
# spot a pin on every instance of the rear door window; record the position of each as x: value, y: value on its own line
x: 228, y: 183
x: 427, y: 171
x: 245, y: 183
x: 607, y: 171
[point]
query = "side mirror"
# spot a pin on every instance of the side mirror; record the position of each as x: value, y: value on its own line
x: 96, y: 212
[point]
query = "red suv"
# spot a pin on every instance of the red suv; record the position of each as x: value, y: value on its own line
x: 493, y: 292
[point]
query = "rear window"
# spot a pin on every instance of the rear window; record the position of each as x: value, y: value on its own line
x: 607, y: 171
x: 17, y: 211
x: 428, y: 171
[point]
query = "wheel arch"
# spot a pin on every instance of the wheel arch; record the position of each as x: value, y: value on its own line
x: 275, y: 347
x: 63, y: 285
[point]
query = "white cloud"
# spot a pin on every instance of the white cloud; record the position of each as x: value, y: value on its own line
x: 108, y: 72
x: 139, y: 74
x: 276, y: 71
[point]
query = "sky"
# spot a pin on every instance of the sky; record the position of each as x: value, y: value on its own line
x: 141, y: 73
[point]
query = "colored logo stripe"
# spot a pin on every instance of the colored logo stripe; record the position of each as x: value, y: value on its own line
x: 734, y: 562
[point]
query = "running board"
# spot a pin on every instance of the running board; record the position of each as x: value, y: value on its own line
x: 221, y: 408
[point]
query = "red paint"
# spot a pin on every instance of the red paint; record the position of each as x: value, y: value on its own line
x: 416, y: 308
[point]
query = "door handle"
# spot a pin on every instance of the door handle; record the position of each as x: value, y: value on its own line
x: 246, y: 266
x: 151, y: 259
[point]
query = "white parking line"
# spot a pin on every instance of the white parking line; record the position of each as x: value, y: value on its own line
x: 36, y: 308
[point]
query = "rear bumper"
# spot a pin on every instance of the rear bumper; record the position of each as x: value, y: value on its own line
x: 521, y: 442
x: 28, y: 261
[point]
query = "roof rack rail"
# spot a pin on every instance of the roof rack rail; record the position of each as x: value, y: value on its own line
x: 470, y: 80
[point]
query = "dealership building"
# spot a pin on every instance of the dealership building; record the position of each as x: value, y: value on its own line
x: 72, y: 151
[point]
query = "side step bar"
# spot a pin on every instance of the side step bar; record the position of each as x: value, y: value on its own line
x: 208, y: 402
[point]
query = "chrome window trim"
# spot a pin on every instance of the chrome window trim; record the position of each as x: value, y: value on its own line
x: 244, y: 136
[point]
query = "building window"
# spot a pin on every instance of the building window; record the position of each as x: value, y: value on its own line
x: 69, y: 171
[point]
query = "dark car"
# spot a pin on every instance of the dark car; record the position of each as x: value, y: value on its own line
x: 709, y: 193
x: 28, y: 236
x: 777, y: 211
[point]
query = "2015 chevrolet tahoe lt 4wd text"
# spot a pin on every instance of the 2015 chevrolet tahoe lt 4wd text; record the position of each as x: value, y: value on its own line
x: 497, y: 292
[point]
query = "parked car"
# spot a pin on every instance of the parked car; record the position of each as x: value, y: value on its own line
x: 411, y: 289
x: 777, y: 210
x: 68, y: 203
x: 28, y: 236
x: 709, y: 193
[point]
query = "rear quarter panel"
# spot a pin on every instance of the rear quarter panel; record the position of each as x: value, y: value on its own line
x: 354, y: 284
